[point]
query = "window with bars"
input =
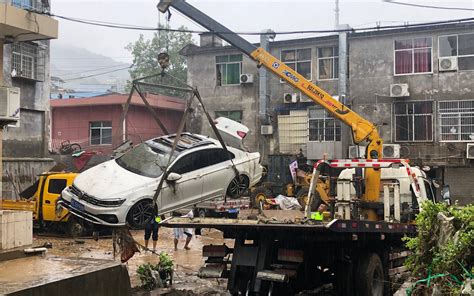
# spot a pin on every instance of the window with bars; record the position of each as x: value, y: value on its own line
x: 322, y: 126
x: 456, y: 121
x: 234, y: 115
x: 298, y: 60
x: 328, y: 63
x: 28, y: 61
x: 35, y: 5
x: 413, y: 56
x: 462, y: 46
x: 228, y: 69
x: 100, y: 133
x: 413, y: 121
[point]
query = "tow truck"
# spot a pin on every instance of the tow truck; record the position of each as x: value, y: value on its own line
x: 372, y: 205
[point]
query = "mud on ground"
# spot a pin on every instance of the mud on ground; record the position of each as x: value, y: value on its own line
x: 187, y: 262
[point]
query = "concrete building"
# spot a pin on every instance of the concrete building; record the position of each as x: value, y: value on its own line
x: 416, y: 84
x: 25, y: 32
x: 95, y: 123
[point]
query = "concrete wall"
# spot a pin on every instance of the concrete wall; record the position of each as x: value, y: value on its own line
x: 16, y: 229
x: 31, y: 138
x: 19, y: 173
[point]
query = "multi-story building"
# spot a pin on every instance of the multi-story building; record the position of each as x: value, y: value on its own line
x: 415, y: 83
x: 25, y: 31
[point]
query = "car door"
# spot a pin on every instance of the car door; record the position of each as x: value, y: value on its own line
x: 217, y: 175
x: 52, y: 190
x: 188, y: 189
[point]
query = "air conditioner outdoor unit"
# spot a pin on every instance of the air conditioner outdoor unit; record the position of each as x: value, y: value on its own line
x: 448, y: 64
x: 10, y: 103
x: 399, y: 90
x: 354, y: 153
x: 246, y: 78
x: 266, y: 130
x: 289, y: 98
x: 470, y: 151
x: 391, y: 151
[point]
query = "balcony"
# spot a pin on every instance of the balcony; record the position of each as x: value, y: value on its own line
x: 22, y: 20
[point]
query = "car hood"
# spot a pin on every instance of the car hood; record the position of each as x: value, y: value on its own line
x: 108, y: 180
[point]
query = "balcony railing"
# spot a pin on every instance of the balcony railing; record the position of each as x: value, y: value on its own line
x: 33, y: 5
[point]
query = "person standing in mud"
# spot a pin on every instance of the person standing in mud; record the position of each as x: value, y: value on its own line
x: 151, y: 229
x: 180, y: 232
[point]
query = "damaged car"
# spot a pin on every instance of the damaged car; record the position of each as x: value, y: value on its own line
x: 121, y: 190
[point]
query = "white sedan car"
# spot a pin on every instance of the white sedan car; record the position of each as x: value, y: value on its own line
x: 121, y: 190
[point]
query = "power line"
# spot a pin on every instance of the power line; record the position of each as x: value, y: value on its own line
x: 140, y: 28
x: 90, y: 70
x: 94, y: 75
x: 429, y: 6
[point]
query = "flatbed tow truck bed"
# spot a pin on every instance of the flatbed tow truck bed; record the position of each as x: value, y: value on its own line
x: 287, y: 258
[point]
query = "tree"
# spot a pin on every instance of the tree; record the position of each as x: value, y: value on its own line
x: 145, y: 55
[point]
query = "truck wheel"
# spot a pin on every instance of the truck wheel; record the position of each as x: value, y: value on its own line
x: 302, y: 197
x: 258, y: 195
x: 370, y: 275
x: 75, y: 227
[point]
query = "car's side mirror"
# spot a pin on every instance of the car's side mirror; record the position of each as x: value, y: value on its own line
x: 173, y: 177
x: 446, y: 195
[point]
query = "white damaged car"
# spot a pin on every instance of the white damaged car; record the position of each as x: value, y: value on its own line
x: 121, y: 190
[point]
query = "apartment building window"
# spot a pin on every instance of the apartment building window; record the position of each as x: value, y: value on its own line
x: 456, y: 121
x: 298, y: 60
x: 322, y: 126
x: 101, y: 133
x: 328, y: 63
x: 28, y: 61
x: 413, y: 56
x: 413, y: 121
x: 228, y: 69
x: 35, y: 5
x: 462, y: 46
x: 234, y: 115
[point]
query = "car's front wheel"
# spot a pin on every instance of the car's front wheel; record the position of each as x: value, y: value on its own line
x: 140, y: 213
x: 238, y: 186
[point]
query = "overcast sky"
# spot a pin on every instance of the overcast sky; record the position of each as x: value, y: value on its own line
x: 242, y: 15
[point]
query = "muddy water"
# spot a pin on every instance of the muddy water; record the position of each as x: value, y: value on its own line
x: 187, y: 262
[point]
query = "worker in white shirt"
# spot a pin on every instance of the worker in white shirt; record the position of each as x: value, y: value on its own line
x: 181, y: 232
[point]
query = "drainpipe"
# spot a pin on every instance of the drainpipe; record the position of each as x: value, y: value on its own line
x: 342, y: 89
x: 263, y: 80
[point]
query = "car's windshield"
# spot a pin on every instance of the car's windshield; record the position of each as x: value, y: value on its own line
x: 147, y: 159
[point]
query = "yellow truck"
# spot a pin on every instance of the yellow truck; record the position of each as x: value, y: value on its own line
x: 40, y: 198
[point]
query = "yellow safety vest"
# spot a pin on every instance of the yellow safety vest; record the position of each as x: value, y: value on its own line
x: 316, y: 216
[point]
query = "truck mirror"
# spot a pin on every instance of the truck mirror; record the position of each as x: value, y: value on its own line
x: 446, y: 195
x: 172, y: 177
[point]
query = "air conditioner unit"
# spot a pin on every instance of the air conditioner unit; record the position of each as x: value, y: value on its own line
x: 246, y: 78
x: 399, y: 90
x: 470, y: 151
x: 291, y: 98
x: 266, y: 130
x: 357, y: 151
x: 391, y: 151
x: 10, y: 103
x: 448, y: 64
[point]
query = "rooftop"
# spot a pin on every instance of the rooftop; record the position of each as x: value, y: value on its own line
x: 156, y: 101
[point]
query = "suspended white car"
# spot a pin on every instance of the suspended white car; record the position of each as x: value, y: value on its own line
x: 121, y: 190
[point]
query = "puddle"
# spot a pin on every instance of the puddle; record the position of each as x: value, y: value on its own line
x: 187, y: 262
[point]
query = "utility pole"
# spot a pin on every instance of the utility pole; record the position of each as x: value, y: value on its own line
x: 336, y: 15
